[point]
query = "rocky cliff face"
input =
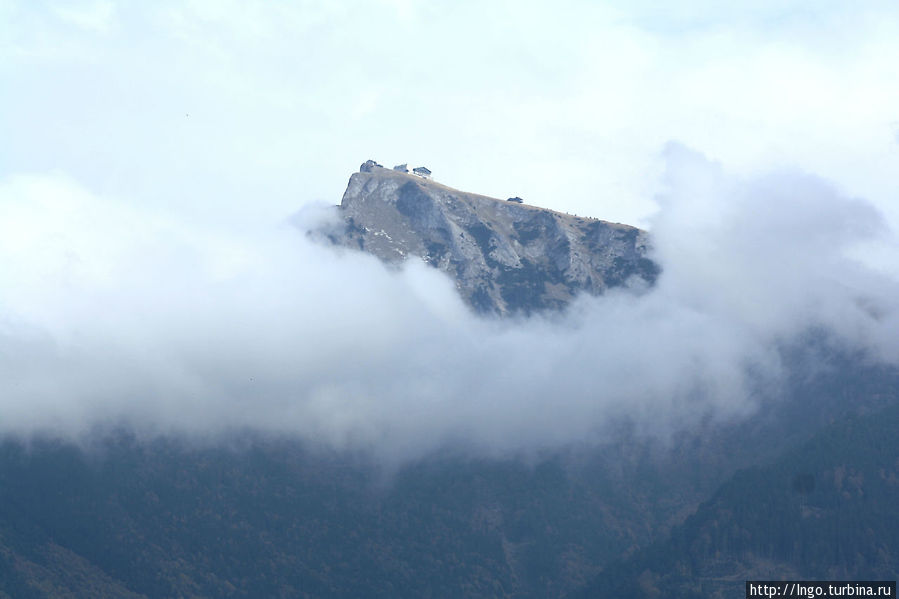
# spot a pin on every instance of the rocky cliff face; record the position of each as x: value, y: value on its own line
x: 506, y: 257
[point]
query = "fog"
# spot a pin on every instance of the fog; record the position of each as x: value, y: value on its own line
x: 110, y: 316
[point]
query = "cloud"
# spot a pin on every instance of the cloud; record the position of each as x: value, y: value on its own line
x: 97, y: 16
x: 567, y: 108
x: 114, y: 315
x: 768, y: 250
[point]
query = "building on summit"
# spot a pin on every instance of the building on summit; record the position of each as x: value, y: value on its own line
x: 368, y: 165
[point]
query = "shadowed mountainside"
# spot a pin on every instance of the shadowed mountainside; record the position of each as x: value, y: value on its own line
x: 825, y: 510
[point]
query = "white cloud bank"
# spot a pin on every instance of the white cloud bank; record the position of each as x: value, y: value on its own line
x: 143, y: 282
x: 111, y: 315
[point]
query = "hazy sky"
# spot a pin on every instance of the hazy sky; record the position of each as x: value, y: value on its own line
x: 567, y: 104
x: 151, y: 153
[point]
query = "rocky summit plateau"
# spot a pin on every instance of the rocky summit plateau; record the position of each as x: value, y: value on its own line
x: 506, y: 256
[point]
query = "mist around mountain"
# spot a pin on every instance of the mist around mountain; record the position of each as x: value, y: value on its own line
x: 285, y: 414
x: 786, y: 493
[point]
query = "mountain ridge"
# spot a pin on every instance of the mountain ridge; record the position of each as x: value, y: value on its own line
x: 505, y: 256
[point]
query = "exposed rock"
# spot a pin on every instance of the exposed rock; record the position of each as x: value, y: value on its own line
x: 506, y: 257
x: 369, y: 166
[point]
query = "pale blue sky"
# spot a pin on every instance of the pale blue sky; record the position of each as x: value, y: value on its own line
x: 566, y: 104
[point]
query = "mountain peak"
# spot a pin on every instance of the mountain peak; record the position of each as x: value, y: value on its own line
x: 505, y: 256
